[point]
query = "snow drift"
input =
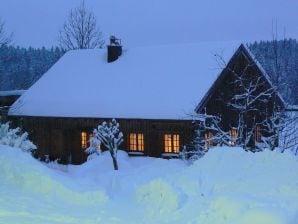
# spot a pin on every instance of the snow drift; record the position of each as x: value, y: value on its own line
x: 228, y: 185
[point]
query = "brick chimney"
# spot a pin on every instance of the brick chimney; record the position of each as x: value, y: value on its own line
x: 114, y: 49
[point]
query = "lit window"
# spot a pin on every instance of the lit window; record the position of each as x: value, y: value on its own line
x: 258, y: 133
x: 172, y: 143
x: 136, y: 142
x: 234, y: 135
x: 84, y: 139
x: 140, y: 142
x: 176, y: 143
x: 208, y: 140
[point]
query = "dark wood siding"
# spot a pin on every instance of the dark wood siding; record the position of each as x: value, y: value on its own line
x: 225, y: 88
x: 60, y: 138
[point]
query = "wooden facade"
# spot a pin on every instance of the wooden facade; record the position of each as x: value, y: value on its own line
x: 61, y: 138
x: 224, y: 88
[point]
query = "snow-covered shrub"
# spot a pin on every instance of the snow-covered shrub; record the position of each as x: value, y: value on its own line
x: 189, y: 154
x: 15, y: 138
x: 110, y: 136
x: 94, y: 149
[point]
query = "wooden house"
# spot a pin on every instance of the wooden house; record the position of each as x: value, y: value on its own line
x: 151, y: 91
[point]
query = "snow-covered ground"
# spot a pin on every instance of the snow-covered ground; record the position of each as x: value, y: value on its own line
x: 228, y: 185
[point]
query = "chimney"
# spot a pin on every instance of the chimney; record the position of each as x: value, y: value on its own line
x: 114, y: 49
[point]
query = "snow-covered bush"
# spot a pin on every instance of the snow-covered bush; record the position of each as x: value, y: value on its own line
x: 110, y: 136
x: 94, y: 149
x: 15, y: 138
x: 189, y: 154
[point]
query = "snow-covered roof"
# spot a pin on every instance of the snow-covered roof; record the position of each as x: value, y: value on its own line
x: 12, y: 92
x: 292, y: 108
x: 160, y: 82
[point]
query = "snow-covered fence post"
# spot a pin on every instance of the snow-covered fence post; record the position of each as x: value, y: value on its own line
x: 111, y: 137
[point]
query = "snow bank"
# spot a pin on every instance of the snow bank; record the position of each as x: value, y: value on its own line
x: 228, y: 185
x: 32, y: 193
x: 158, y: 198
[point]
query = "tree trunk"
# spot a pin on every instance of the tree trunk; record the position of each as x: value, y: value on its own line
x: 115, y: 163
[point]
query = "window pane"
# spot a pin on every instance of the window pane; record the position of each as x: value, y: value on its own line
x: 133, y: 141
x: 233, y: 134
x: 176, y: 143
x: 168, y: 143
x: 84, y: 140
x: 140, y: 142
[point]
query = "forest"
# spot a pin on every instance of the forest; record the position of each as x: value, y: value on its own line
x: 280, y: 60
x: 22, y: 67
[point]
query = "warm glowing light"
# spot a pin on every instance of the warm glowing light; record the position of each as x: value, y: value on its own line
x: 84, y: 139
x: 208, y: 140
x: 136, y: 142
x: 172, y: 143
x: 233, y: 134
x: 176, y: 143
x: 140, y: 142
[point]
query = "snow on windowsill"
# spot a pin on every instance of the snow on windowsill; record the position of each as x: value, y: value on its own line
x: 135, y: 153
x: 167, y: 154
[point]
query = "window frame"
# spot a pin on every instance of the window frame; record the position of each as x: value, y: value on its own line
x: 234, y: 134
x: 171, y: 143
x: 136, y: 142
x: 84, y: 141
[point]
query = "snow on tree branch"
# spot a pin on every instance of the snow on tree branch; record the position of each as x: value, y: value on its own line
x: 15, y: 138
x: 80, y: 31
x: 5, y: 38
x: 110, y: 136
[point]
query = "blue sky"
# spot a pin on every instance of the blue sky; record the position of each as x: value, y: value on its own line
x: 154, y: 22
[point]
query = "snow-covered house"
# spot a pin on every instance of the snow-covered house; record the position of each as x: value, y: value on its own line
x: 152, y: 91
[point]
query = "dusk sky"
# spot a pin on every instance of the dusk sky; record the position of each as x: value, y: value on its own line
x: 153, y: 22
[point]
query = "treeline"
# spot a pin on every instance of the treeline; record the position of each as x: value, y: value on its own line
x: 22, y: 67
x: 280, y: 60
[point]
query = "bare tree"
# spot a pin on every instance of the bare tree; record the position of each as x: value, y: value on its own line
x: 5, y: 38
x: 80, y: 31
